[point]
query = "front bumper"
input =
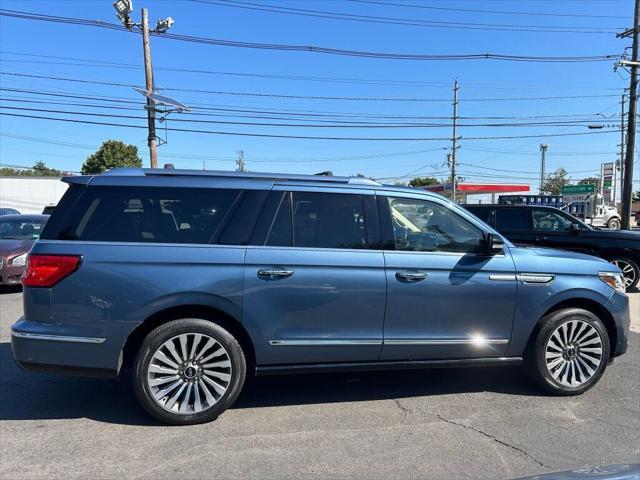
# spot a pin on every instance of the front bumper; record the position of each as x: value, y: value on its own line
x: 44, y: 348
x: 618, y: 306
x: 10, y: 275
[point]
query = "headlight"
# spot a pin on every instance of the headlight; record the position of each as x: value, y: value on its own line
x: 614, y: 280
x: 19, y: 261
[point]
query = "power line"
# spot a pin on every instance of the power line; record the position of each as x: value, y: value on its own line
x: 406, y: 21
x: 581, y: 123
x: 312, y: 97
x: 303, y: 137
x: 500, y: 12
x: 368, y: 81
x: 317, y: 49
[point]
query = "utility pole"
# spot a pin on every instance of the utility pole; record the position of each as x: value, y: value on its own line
x: 240, y: 162
x: 151, y: 109
x: 621, y: 161
x: 124, y: 8
x: 543, y: 155
x: 627, y: 187
x: 454, y: 140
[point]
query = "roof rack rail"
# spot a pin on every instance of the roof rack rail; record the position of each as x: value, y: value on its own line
x: 247, y: 175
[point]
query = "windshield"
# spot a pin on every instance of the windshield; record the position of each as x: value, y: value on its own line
x: 20, y: 229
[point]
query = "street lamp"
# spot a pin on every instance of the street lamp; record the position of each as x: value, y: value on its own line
x: 123, y: 10
x: 163, y: 25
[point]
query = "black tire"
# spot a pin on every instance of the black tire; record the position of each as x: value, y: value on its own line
x: 614, y: 223
x: 629, y: 268
x: 193, y: 328
x: 536, y: 356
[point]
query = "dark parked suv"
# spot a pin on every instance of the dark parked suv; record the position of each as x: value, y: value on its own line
x: 554, y: 228
x: 197, y: 279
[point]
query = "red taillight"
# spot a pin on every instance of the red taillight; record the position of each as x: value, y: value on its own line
x: 47, y: 270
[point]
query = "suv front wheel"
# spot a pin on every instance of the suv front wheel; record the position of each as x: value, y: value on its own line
x: 188, y: 371
x: 569, y: 353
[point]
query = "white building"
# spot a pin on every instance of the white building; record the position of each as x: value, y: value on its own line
x: 30, y: 194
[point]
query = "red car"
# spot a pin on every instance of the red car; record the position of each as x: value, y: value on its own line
x: 17, y: 235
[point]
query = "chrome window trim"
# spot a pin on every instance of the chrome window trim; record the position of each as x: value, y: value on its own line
x: 57, y: 338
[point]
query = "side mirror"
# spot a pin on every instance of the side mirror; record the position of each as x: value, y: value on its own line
x: 492, y: 245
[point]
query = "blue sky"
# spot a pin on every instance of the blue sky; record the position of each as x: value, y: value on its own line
x: 510, y: 160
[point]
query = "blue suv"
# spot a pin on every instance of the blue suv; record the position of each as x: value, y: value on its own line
x: 197, y: 279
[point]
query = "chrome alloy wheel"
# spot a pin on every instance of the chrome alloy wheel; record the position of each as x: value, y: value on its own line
x: 627, y: 270
x: 573, y: 353
x: 189, y: 373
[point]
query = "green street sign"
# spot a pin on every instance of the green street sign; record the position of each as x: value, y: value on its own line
x: 579, y: 189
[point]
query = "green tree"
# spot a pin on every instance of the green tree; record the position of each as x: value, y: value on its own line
x: 589, y: 180
x: 111, y: 154
x: 555, y: 181
x: 423, y: 181
x: 40, y: 169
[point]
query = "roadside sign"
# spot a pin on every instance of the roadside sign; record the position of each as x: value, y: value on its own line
x: 583, y: 189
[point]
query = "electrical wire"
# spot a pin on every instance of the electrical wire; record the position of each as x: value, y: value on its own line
x: 500, y: 12
x: 316, y: 49
x: 406, y: 21
x: 302, y: 137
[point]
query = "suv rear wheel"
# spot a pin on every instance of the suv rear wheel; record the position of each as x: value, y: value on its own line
x: 570, y: 352
x: 188, y: 371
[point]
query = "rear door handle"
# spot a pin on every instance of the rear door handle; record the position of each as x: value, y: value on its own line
x: 411, y: 275
x: 274, y: 272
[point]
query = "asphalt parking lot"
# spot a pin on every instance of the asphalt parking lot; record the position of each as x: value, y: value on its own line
x: 437, y: 424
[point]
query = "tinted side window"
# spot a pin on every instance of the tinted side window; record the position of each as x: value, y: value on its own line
x: 281, y: 232
x: 327, y: 220
x: 550, y: 221
x: 513, y: 219
x: 481, y: 212
x: 145, y: 214
x: 424, y: 226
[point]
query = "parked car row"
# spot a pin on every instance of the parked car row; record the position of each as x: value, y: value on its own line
x: 554, y: 228
x: 17, y: 235
x: 195, y: 280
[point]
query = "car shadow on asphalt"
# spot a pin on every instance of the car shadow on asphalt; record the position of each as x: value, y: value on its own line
x: 35, y: 396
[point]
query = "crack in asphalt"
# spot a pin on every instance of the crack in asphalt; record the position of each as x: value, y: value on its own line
x: 497, y: 440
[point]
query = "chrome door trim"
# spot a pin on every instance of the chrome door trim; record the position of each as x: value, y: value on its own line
x: 448, y: 341
x: 322, y: 342
x: 57, y: 338
x: 536, y: 278
x: 502, y: 277
x: 418, y: 341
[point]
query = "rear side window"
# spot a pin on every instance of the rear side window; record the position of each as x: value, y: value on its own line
x: 320, y: 220
x: 145, y: 214
x: 513, y: 219
x: 483, y: 213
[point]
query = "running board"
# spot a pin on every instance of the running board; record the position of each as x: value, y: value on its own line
x: 384, y: 365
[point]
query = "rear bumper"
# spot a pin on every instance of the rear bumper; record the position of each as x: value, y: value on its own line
x: 37, y: 348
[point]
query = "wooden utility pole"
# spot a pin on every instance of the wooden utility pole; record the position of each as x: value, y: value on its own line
x: 627, y: 187
x: 148, y: 73
x: 240, y: 161
x: 454, y: 140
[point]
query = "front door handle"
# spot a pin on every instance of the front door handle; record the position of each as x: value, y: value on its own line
x: 411, y: 275
x: 274, y: 272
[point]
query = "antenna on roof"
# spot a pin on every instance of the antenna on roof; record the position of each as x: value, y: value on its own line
x: 326, y: 173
